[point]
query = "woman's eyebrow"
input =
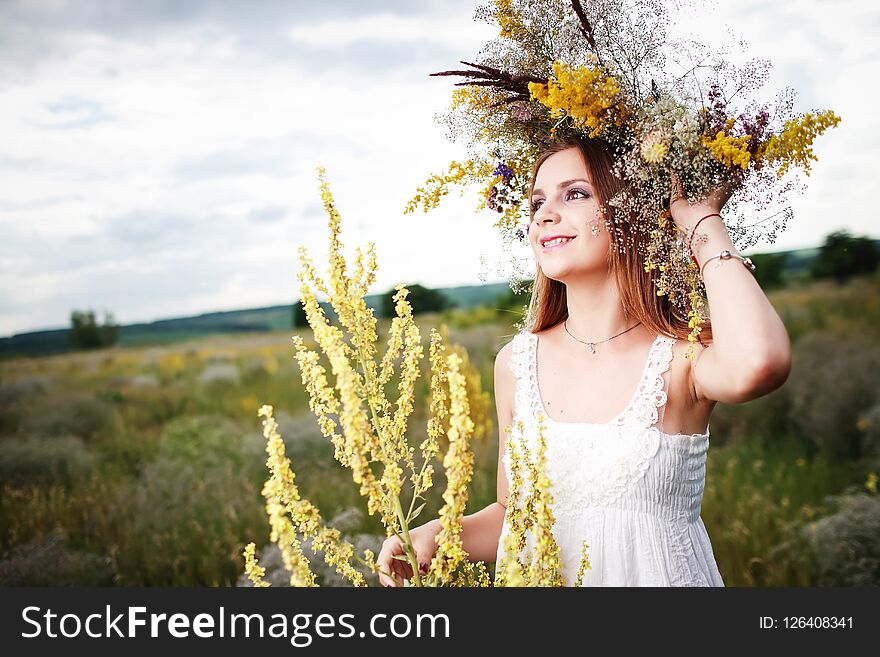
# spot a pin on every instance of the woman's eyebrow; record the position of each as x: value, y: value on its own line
x: 564, y: 183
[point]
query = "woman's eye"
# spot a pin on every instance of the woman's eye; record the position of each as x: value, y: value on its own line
x: 538, y: 202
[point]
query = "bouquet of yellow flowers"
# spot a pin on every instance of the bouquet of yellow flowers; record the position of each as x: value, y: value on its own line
x: 369, y: 433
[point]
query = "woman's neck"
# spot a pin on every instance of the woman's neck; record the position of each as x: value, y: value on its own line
x: 595, y: 311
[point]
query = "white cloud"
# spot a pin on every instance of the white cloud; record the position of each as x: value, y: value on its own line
x: 183, y: 179
x: 449, y: 31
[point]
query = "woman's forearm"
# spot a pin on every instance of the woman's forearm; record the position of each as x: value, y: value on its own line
x: 747, y: 333
x: 480, y: 532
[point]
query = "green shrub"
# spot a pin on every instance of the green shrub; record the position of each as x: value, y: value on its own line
x: 49, y: 561
x: 72, y: 414
x: 842, y: 547
x: 833, y: 381
x: 37, y: 459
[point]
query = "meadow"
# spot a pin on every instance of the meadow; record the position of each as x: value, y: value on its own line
x: 143, y: 465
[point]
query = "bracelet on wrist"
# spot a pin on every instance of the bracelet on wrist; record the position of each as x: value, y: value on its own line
x: 693, y: 232
x: 726, y: 254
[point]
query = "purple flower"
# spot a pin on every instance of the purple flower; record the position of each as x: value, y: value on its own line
x: 716, y: 112
x: 755, y: 127
x: 490, y: 199
x: 503, y: 171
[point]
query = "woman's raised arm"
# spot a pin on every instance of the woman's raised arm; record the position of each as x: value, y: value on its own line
x: 750, y: 352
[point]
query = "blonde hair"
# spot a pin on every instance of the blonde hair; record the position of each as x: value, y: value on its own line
x: 626, y: 259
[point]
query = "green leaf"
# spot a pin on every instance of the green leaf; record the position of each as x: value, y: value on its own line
x: 402, y: 557
x: 415, y: 514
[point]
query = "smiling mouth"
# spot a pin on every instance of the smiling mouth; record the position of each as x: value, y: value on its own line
x: 553, y: 245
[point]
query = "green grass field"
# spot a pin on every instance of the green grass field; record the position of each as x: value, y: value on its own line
x: 143, y: 465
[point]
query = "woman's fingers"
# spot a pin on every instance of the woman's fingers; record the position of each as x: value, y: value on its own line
x: 677, y: 190
x: 384, y: 561
x: 397, y: 572
x: 396, y: 569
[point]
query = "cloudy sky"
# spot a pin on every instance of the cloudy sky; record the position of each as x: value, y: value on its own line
x: 158, y: 158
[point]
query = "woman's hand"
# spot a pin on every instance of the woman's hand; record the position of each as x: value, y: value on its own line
x: 425, y: 546
x: 686, y: 214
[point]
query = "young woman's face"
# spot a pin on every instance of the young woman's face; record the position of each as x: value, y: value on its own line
x: 564, y: 204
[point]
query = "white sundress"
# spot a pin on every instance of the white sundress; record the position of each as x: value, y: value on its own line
x: 631, y: 491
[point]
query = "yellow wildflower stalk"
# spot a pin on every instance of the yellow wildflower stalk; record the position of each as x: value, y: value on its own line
x: 509, y: 570
x: 529, y: 511
x: 459, y: 467
x: 427, y: 197
x: 585, y: 565
x: 254, y: 571
x: 281, y: 489
x: 794, y: 145
x: 730, y: 151
x: 366, y: 428
x: 588, y: 94
x: 283, y: 534
x: 510, y: 21
x: 670, y: 269
x: 545, y: 569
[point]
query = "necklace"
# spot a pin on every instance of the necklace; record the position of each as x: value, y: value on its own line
x: 592, y: 345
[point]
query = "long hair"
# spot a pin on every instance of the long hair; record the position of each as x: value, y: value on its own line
x: 626, y: 259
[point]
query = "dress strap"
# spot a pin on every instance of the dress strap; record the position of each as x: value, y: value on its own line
x: 650, y: 401
x: 522, y: 363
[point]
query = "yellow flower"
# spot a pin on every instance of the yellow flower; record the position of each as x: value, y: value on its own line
x: 428, y: 196
x: 529, y: 510
x: 794, y: 145
x: 476, y: 99
x: 282, y: 497
x: 585, y: 564
x: 731, y: 151
x: 254, y: 571
x: 510, y: 21
x: 366, y: 429
x: 653, y: 148
x: 459, y: 467
x: 171, y: 363
x: 588, y: 94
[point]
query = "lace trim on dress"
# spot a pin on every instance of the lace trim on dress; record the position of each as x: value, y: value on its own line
x: 593, y: 469
x: 644, y: 408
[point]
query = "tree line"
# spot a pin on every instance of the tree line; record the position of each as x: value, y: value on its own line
x: 840, y: 257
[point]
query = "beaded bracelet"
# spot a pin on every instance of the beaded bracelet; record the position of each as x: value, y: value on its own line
x: 691, y: 240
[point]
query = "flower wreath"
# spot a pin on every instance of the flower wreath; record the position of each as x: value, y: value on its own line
x: 561, y: 69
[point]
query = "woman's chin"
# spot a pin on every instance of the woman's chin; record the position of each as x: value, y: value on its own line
x: 565, y: 272
x: 557, y: 273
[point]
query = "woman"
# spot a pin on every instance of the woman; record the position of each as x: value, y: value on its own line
x: 629, y: 485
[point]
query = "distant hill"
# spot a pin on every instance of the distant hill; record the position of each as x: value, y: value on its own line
x: 279, y: 318
x: 272, y: 318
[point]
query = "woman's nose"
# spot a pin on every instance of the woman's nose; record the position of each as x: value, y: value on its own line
x: 546, y: 215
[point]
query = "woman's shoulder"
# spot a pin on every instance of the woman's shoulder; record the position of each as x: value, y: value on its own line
x: 513, y: 347
x: 506, y: 377
x: 504, y: 356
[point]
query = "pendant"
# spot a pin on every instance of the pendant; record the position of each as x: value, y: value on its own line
x: 592, y: 347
